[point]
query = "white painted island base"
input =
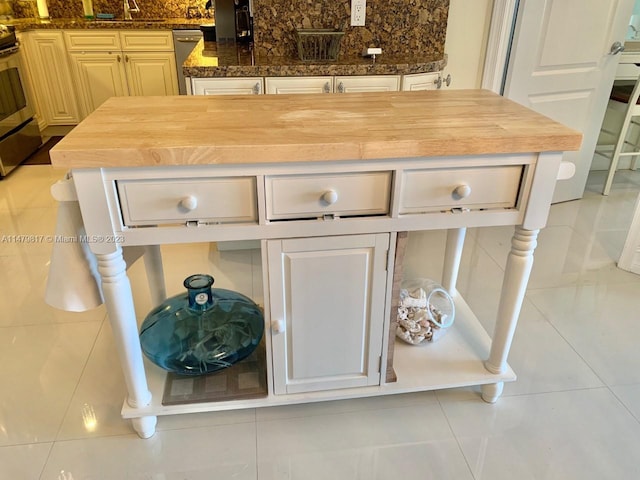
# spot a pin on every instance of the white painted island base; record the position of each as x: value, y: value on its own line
x: 467, y: 357
x: 325, y: 184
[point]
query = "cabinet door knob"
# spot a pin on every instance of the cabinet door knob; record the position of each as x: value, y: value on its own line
x: 256, y: 88
x: 277, y: 326
x: 327, y: 88
x: 461, y: 191
x: 341, y: 87
x: 189, y: 202
x: 330, y: 197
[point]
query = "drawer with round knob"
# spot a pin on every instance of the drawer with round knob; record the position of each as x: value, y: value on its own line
x: 477, y: 188
x: 321, y: 195
x: 177, y: 201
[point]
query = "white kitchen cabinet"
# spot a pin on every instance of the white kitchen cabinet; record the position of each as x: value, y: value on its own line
x: 328, y: 335
x: 50, y: 77
x: 280, y: 85
x: 227, y: 86
x: 367, y: 83
x: 421, y: 81
x: 107, y: 64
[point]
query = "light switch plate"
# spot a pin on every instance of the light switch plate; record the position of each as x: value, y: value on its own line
x: 358, y: 12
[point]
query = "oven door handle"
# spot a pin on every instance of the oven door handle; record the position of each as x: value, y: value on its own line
x: 9, y: 51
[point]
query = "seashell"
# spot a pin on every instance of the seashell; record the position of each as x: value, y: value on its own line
x: 417, y: 298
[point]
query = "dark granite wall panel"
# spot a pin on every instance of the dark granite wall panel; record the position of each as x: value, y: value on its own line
x: 397, y: 26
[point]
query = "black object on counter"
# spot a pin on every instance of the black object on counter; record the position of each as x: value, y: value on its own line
x: 208, y: 32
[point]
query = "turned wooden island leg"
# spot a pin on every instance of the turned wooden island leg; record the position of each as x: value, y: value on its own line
x: 155, y: 274
x: 516, y: 277
x: 452, y: 257
x: 122, y: 317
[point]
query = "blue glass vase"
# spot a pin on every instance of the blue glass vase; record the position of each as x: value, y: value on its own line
x: 203, y: 330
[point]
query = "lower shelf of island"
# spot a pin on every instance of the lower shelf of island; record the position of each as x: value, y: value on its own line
x: 456, y: 360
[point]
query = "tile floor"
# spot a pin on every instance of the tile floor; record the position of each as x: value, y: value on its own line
x: 574, y: 412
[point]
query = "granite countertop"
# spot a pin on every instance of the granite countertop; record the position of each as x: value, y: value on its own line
x: 24, y: 24
x: 209, y: 59
x: 222, y: 129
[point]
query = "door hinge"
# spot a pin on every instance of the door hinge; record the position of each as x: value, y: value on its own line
x: 380, y: 364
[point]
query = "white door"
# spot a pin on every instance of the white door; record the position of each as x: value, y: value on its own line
x: 561, y: 66
x: 327, y: 300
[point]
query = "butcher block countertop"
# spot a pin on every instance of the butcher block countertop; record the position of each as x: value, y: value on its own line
x: 204, y: 130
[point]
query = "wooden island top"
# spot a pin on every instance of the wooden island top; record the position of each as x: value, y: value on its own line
x: 199, y: 130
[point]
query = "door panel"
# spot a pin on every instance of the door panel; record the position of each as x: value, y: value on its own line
x: 330, y: 334
x: 151, y: 74
x: 560, y: 66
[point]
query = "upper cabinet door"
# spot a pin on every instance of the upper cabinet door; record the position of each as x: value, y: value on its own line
x: 327, y: 303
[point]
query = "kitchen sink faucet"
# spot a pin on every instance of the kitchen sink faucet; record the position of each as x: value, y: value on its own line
x: 128, y: 9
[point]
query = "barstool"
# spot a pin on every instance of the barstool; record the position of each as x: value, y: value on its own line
x: 626, y: 95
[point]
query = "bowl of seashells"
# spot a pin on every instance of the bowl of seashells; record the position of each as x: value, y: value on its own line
x: 425, y: 311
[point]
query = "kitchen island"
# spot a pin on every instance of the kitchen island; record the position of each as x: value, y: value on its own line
x: 326, y: 183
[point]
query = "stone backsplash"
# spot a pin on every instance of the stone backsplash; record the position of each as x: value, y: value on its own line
x: 399, y: 27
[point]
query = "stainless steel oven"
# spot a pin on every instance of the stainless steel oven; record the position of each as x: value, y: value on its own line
x: 19, y: 132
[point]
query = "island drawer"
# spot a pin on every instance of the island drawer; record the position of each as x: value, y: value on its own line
x: 340, y: 194
x: 468, y: 188
x: 177, y: 201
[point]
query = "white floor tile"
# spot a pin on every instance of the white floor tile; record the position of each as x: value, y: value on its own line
x: 629, y: 395
x: 577, y: 435
x: 39, y: 369
x: 220, y: 452
x: 23, y: 461
x: 601, y: 324
x: 543, y: 360
x: 411, y: 442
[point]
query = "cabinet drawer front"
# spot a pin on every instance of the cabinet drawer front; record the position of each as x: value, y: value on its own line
x: 227, y: 86
x: 147, y: 41
x: 311, y: 196
x: 155, y: 202
x: 92, y: 41
x: 472, y: 188
x: 368, y: 83
x: 288, y: 85
x: 420, y: 81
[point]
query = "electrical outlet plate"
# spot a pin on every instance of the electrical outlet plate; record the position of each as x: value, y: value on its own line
x: 358, y: 12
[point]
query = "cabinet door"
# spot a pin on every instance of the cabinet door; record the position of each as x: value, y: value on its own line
x: 368, y: 83
x: 420, y: 81
x: 298, y: 85
x: 327, y: 301
x: 227, y: 86
x: 151, y: 73
x: 100, y: 75
x: 52, y: 82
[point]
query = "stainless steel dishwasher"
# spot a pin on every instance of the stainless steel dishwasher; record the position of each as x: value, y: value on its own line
x: 183, y: 43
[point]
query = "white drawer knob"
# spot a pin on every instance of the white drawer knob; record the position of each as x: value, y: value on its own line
x: 330, y: 197
x: 461, y: 191
x: 277, y: 326
x: 189, y: 203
